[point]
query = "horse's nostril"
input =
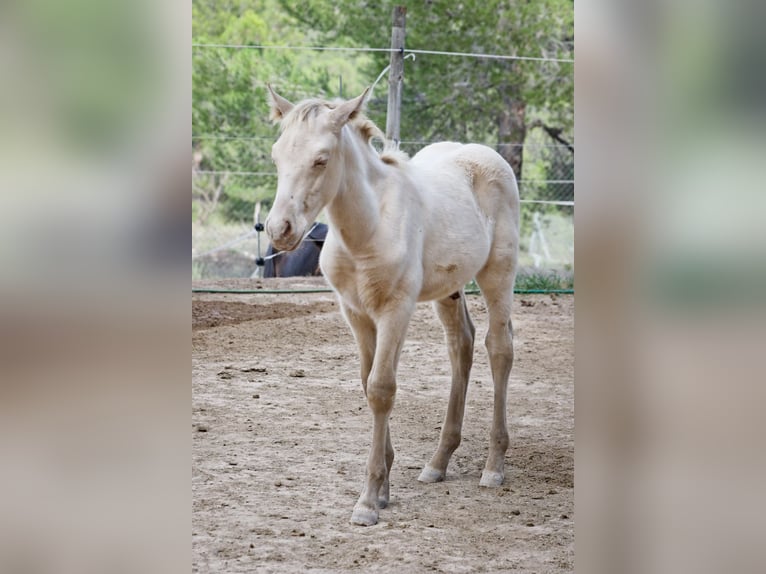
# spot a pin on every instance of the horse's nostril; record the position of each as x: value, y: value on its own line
x: 288, y: 228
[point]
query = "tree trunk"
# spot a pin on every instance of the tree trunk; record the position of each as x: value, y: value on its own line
x: 511, y: 132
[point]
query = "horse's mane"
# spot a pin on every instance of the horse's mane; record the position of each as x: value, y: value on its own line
x: 307, y: 110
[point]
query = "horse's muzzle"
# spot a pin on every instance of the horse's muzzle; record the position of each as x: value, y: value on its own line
x: 282, y: 234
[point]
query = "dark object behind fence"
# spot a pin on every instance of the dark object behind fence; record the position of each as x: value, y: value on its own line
x: 301, y: 262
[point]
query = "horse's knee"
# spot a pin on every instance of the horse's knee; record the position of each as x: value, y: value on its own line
x: 377, y: 472
x: 504, y: 352
x: 380, y: 393
x: 499, y: 344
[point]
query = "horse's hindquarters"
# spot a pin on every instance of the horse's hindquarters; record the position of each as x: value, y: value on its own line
x: 457, y: 236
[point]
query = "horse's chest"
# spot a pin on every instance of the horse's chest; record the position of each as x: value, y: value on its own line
x: 365, y: 286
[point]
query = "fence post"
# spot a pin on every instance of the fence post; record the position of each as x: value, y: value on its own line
x: 259, y: 261
x: 396, y: 75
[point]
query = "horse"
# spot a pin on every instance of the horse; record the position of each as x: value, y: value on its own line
x: 302, y: 262
x: 401, y: 231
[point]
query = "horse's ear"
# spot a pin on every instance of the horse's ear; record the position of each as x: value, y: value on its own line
x: 347, y: 110
x: 280, y: 107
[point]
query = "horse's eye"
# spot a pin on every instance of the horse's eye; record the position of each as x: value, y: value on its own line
x: 320, y: 162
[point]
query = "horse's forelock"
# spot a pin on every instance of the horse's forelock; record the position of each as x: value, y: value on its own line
x: 304, y: 112
x: 308, y: 110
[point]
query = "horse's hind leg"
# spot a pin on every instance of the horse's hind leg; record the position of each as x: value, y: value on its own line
x: 460, y: 332
x: 496, y: 283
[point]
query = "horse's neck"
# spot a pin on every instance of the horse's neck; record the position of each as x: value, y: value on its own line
x: 355, y: 210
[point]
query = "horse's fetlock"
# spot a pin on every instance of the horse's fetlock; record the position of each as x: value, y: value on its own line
x: 378, y: 473
x: 452, y: 439
x: 501, y: 440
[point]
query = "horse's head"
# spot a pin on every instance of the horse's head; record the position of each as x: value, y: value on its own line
x: 309, y: 166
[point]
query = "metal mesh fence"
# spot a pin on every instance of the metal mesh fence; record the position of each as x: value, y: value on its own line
x: 232, y: 174
x: 227, y: 204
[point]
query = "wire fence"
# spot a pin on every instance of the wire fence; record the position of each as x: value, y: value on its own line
x: 227, y: 192
x: 479, y: 55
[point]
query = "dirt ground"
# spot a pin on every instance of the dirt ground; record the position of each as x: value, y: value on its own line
x: 281, y: 431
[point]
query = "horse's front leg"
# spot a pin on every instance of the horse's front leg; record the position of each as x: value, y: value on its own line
x: 365, y: 334
x: 384, y: 493
x: 381, y: 390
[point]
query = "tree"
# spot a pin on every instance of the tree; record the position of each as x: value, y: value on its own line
x: 498, y: 102
x: 466, y: 98
x: 230, y: 126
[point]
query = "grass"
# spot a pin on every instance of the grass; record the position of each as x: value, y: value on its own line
x: 544, y: 280
x: 537, y: 280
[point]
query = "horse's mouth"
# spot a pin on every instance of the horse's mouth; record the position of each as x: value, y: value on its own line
x: 289, y: 247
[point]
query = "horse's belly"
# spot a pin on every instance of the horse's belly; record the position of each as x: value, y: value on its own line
x: 456, y: 248
x: 443, y: 277
x: 435, y: 290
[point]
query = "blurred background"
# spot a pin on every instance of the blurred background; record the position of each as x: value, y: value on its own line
x: 94, y: 312
x: 671, y: 293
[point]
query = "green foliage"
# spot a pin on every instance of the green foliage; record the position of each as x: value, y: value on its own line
x: 460, y: 98
x: 543, y: 281
x: 535, y: 280
x: 231, y: 130
x: 445, y: 97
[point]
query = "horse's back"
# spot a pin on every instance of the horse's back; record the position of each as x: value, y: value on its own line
x: 471, y: 198
x: 445, y: 165
x: 435, y: 152
x: 477, y: 161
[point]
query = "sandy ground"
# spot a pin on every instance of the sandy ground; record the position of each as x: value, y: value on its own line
x: 281, y: 431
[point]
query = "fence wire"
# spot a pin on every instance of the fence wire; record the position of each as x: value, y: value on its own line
x: 232, y: 174
x: 225, y: 245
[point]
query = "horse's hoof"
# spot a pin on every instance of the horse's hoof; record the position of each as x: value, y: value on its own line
x: 430, y: 475
x: 364, y: 516
x: 382, y: 503
x: 491, y: 479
